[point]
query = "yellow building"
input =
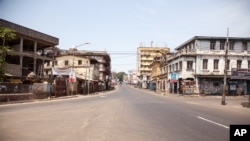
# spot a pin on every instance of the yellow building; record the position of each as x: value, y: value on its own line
x: 156, y: 71
x: 145, y: 57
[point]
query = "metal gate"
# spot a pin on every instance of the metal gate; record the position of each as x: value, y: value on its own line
x: 60, y: 86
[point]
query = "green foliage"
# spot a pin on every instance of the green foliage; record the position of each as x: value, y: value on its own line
x: 119, y: 75
x: 6, y: 35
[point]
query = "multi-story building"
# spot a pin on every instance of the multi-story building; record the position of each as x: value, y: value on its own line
x: 91, y: 70
x: 29, y: 52
x: 145, y: 57
x: 198, y: 65
x: 163, y: 77
x: 155, y: 73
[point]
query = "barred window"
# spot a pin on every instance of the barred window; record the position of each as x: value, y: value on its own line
x: 204, y: 65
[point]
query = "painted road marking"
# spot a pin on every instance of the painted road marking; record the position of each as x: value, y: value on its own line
x: 216, y: 123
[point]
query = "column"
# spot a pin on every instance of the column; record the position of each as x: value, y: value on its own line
x: 21, y: 44
x: 34, y: 66
x: 35, y: 50
x: 21, y: 64
x: 197, y: 90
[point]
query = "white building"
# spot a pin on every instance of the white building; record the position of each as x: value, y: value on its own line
x: 198, y: 65
x: 132, y: 77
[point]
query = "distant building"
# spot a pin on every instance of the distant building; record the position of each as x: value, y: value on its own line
x: 198, y: 65
x: 132, y: 77
x: 155, y: 73
x: 145, y: 57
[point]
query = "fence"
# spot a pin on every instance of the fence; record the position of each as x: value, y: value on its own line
x: 10, y: 88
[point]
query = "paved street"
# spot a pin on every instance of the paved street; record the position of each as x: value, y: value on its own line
x: 126, y: 114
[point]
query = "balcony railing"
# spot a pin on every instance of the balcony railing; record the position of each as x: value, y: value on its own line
x: 210, y: 52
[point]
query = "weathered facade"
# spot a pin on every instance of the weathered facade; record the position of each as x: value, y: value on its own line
x: 155, y: 73
x: 198, y: 65
x: 29, y: 52
x: 91, y: 69
x: 163, y: 77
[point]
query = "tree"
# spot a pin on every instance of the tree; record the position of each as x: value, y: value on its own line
x: 6, y: 35
x: 119, y: 75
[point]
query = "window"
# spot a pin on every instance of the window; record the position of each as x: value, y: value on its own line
x: 180, y: 65
x: 170, y: 68
x: 248, y: 64
x: 239, y: 64
x: 212, y: 45
x: 79, y: 62
x: 48, y: 63
x: 189, y: 65
x: 228, y: 64
x: 231, y: 45
x: 204, y: 65
x: 216, y: 64
x: 176, y: 66
x: 66, y: 63
x: 244, y: 45
x: 222, y: 45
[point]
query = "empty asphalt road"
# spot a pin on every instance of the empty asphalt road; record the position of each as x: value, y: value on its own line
x: 126, y: 114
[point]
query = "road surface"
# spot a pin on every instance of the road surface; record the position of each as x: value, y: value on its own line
x: 126, y: 114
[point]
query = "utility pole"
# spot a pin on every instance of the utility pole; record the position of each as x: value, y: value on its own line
x: 223, y: 101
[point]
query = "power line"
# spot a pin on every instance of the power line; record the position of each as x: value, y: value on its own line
x: 122, y: 52
x: 124, y: 56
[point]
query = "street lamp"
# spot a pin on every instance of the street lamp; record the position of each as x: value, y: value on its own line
x: 74, y: 48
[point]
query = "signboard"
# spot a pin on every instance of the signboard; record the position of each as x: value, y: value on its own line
x: 173, y: 78
x: 69, y: 72
x: 56, y: 71
x: 240, y: 74
x: 72, y: 77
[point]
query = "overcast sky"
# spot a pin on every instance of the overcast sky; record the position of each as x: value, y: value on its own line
x: 120, y: 26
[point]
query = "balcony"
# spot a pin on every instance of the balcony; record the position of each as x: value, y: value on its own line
x: 194, y: 52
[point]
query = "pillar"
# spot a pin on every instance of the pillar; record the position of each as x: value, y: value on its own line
x: 35, y: 50
x: 21, y: 44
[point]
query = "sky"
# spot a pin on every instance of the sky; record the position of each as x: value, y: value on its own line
x: 121, y: 26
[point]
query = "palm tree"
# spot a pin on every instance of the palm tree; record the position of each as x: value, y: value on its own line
x: 6, y: 35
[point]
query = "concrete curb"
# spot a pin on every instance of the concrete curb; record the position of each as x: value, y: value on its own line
x: 58, y: 98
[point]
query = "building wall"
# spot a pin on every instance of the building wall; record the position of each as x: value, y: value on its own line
x: 210, y: 80
x: 83, y: 71
x: 145, y: 57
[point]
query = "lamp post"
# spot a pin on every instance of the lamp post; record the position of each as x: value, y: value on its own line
x: 73, y: 69
x: 223, y: 100
x: 74, y: 48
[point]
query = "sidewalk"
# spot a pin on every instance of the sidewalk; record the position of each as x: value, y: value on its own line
x: 240, y: 101
x: 57, y: 98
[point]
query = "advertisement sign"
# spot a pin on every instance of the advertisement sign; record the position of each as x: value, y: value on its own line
x: 240, y: 74
x: 56, y: 71
x: 72, y: 77
x: 69, y: 72
x: 173, y: 78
